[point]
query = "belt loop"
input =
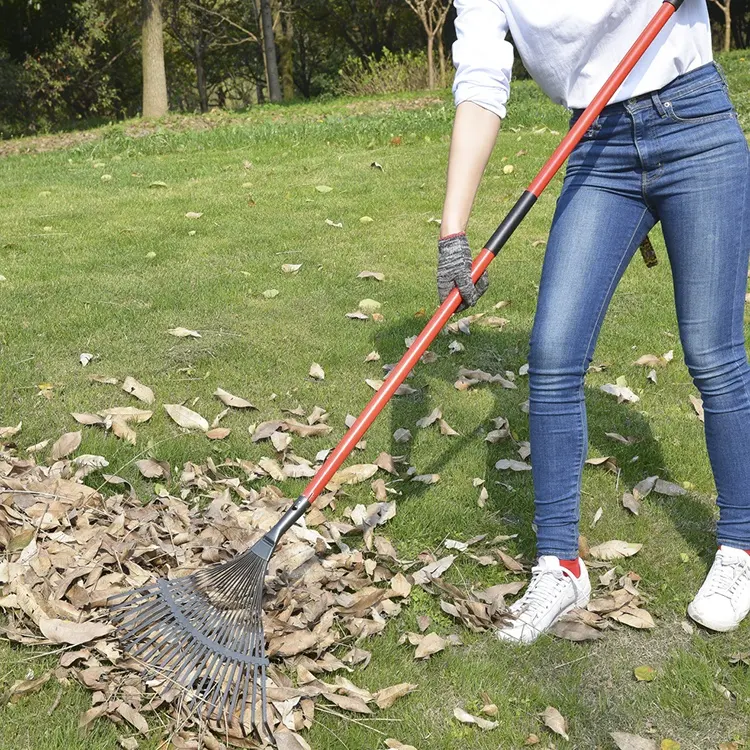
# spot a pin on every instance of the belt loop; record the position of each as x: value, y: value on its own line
x: 658, y: 106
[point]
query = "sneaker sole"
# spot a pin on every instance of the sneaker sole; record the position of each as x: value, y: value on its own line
x: 716, y: 628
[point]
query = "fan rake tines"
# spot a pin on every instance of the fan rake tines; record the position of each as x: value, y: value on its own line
x: 204, y: 634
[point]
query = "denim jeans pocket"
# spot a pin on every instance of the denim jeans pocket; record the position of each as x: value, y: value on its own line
x: 705, y: 104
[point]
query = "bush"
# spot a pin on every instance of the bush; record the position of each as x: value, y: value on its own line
x: 391, y: 73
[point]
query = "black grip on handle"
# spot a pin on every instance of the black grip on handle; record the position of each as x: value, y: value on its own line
x: 676, y: 3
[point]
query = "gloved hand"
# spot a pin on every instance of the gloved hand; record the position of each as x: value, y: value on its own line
x: 454, y: 269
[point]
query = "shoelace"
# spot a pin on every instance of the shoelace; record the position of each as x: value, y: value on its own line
x: 725, y: 576
x: 541, y: 592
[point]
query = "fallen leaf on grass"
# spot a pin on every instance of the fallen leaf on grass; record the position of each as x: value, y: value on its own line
x: 632, y: 503
x: 317, y: 372
x: 433, y: 570
x: 354, y: 474
x: 371, y: 275
x: 193, y: 215
x: 229, y: 400
x: 402, y: 435
x: 349, y: 703
x: 669, y: 744
x: 571, y: 628
x: 338, y: 225
x: 66, y: 444
x: 644, y: 673
x: 323, y: 188
x: 271, y: 293
x: 369, y: 306
x: 555, y: 721
x: 614, y: 550
x: 698, y: 406
x: 386, y: 697
x: 153, y: 469
x: 140, y: 391
x: 426, y: 478
x: 466, y: 718
x: 622, y: 392
x: 186, y: 418
x: 625, y: 741
x: 21, y: 688
x: 357, y: 316
x: 6, y: 432
x: 395, y: 744
x: 508, y: 463
x: 670, y: 489
x: 635, y: 617
x: 183, y: 333
x: 291, y: 267
x: 372, y: 357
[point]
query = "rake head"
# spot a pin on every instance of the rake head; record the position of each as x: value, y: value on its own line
x: 204, y: 634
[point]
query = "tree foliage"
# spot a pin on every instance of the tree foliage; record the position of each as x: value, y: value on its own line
x: 64, y: 62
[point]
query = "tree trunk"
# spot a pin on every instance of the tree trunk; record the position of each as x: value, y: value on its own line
x: 155, y: 102
x: 441, y: 55
x: 727, y: 26
x: 269, y: 44
x: 261, y: 63
x: 430, y: 61
x: 286, y: 47
x: 200, y: 73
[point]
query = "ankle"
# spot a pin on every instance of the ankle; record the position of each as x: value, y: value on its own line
x: 574, y: 566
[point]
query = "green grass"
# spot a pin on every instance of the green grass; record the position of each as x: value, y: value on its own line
x: 86, y: 285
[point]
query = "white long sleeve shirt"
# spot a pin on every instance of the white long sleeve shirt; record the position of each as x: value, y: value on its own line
x: 570, y: 47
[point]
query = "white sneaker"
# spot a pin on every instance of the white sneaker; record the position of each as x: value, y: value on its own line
x: 723, y: 600
x: 552, y: 592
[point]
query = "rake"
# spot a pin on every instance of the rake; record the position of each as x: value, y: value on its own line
x: 204, y: 632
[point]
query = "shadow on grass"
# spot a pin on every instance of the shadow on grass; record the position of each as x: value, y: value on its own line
x: 511, y: 494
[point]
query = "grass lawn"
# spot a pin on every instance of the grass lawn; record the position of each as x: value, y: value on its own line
x: 75, y: 247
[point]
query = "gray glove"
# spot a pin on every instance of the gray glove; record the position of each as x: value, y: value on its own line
x: 454, y: 269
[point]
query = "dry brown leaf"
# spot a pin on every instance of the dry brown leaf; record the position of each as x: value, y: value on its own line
x: 153, y: 469
x: 186, y: 418
x: 555, y: 721
x: 140, y: 391
x: 127, y: 414
x: 317, y: 372
x: 371, y: 275
x: 354, y: 474
x: 66, y: 444
x: 230, y: 400
x: 698, y: 406
x: 184, y: 333
x: 431, y: 644
x: 349, y: 703
x: 73, y: 633
x: 625, y: 741
x: 218, y: 433
x: 614, y: 550
x: 466, y: 718
x: 124, y: 431
x: 132, y: 717
x: 508, y: 463
x: 632, y: 503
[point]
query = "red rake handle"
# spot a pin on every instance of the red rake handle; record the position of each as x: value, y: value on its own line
x: 397, y: 376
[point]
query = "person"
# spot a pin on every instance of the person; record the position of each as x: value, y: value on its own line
x: 668, y: 148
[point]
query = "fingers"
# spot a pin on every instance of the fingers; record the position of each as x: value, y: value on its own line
x: 469, y: 292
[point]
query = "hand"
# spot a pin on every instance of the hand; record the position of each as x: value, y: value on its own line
x: 454, y: 269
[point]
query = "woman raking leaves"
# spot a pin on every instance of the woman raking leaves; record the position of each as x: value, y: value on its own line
x: 668, y: 148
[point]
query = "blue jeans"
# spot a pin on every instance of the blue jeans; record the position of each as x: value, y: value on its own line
x: 677, y: 156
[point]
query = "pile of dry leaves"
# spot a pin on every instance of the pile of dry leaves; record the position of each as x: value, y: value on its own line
x: 69, y: 547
